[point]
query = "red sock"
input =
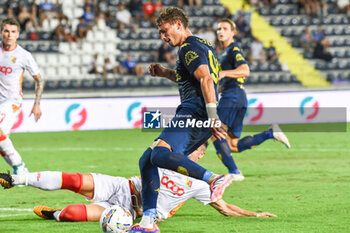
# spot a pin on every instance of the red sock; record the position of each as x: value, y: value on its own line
x: 72, y: 181
x: 74, y: 213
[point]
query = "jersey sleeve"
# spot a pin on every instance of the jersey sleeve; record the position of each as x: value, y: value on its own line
x: 237, y: 56
x: 193, y: 56
x: 30, y: 65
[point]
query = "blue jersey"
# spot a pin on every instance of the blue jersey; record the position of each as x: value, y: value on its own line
x: 231, y: 58
x: 193, y: 53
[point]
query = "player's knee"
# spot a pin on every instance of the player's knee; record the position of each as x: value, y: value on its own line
x: 72, y: 181
x: 74, y: 213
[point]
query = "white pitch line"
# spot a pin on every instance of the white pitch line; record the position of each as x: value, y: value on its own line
x: 15, y: 209
x: 12, y: 215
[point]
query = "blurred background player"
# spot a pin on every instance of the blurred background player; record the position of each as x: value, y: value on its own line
x: 14, y: 60
x: 196, y: 73
x: 105, y: 191
x: 233, y: 102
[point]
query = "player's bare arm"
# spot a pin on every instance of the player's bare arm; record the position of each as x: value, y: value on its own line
x: 203, y: 76
x: 232, y: 210
x: 159, y: 70
x: 39, y: 88
x: 241, y: 71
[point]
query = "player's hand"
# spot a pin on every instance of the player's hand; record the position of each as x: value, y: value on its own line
x: 218, y: 132
x: 36, y: 111
x: 156, y: 69
x: 266, y: 215
x: 221, y: 75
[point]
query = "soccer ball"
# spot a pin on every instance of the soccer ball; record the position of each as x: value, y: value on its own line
x: 116, y: 219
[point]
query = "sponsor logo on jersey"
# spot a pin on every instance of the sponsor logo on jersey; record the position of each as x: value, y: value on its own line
x: 190, y: 56
x: 169, y: 184
x: 13, y: 59
x: 239, y: 57
x: 5, y: 70
x: 204, y: 42
x: 82, y: 113
x: 184, y: 45
x: 309, y: 108
x: 135, y: 108
x: 188, y: 183
x: 255, y: 110
x: 178, y: 77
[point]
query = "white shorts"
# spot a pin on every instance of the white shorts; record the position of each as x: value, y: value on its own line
x: 112, y: 190
x: 8, y: 116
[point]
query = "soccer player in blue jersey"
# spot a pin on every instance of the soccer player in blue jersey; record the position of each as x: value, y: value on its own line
x: 233, y: 102
x: 196, y: 74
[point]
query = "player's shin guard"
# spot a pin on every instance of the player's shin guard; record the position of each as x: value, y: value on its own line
x: 250, y: 142
x: 150, y: 181
x: 8, y: 152
x: 73, y: 213
x: 224, y: 153
x: 164, y: 158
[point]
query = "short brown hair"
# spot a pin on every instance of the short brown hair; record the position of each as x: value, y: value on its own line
x: 229, y: 21
x: 10, y: 21
x: 171, y: 15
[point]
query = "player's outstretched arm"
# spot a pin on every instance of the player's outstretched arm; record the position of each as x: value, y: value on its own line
x: 241, y: 71
x: 232, y: 210
x: 208, y: 90
x: 159, y: 70
x: 39, y: 88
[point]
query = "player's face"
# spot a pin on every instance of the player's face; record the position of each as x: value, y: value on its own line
x: 9, y: 35
x: 224, y: 32
x: 169, y: 33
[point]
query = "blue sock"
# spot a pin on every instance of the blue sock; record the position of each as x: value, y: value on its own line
x: 207, y: 175
x: 250, y: 142
x: 150, y: 181
x: 164, y: 158
x: 224, y: 153
x: 150, y: 212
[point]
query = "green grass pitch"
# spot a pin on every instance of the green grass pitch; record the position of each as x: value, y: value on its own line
x: 308, y: 186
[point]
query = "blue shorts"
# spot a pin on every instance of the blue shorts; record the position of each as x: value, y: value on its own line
x: 231, y: 111
x: 185, y: 140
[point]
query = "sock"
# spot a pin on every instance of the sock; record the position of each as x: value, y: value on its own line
x: 164, y: 158
x: 9, y: 153
x: 49, y: 180
x: 73, y: 213
x: 46, y: 180
x: 148, y: 218
x: 150, y: 181
x: 207, y: 175
x: 72, y: 181
x: 251, y: 142
x: 56, y: 215
x: 19, y: 179
x: 224, y: 153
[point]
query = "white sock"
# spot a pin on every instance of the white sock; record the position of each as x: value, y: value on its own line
x: 46, y: 180
x: 147, y: 221
x: 9, y: 152
x: 56, y: 215
x: 19, y: 179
